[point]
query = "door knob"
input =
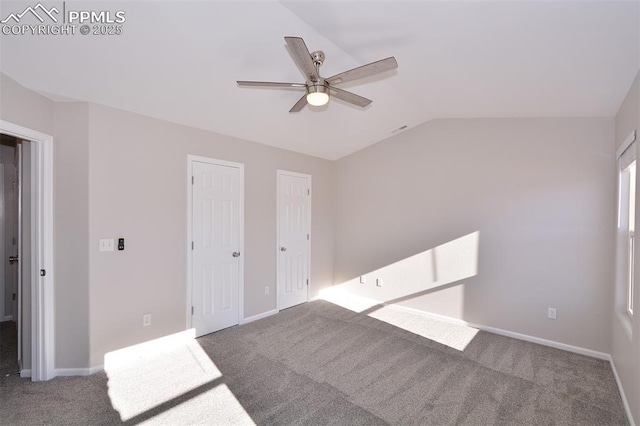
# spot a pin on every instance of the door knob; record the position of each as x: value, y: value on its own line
x: 13, y: 259
x: 236, y: 254
x: 283, y: 249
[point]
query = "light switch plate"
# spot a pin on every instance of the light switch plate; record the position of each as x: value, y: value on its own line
x: 106, y: 245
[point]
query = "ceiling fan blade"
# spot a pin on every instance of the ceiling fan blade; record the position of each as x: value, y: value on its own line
x: 365, y: 71
x: 352, y: 98
x: 300, y: 104
x: 268, y: 84
x: 302, y: 57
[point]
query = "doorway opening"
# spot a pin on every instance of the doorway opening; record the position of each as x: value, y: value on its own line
x: 28, y: 244
x: 15, y: 332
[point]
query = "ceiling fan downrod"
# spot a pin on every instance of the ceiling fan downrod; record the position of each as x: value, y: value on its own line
x: 318, y: 59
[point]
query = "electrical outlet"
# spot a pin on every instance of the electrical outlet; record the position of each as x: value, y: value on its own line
x: 551, y: 313
x: 379, y: 282
x: 266, y: 290
x: 146, y: 320
x: 363, y: 279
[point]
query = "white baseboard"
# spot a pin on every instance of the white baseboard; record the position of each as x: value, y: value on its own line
x: 269, y: 313
x: 25, y: 373
x: 64, y: 372
x: 96, y: 369
x: 507, y: 333
x: 622, y: 394
x: 259, y: 316
x: 558, y: 345
x: 545, y: 342
x: 8, y: 318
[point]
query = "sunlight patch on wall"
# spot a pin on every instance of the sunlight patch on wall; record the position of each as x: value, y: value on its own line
x: 431, y: 271
x: 421, y: 274
x: 148, y: 375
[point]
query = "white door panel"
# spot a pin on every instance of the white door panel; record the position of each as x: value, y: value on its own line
x: 293, y: 239
x: 216, y: 247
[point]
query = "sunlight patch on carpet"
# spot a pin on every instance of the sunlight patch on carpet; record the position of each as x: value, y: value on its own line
x: 449, y: 332
x: 216, y: 406
x: 338, y: 296
x: 153, y: 375
x: 456, y: 336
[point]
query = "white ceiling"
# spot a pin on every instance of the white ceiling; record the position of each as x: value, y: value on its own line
x: 179, y: 61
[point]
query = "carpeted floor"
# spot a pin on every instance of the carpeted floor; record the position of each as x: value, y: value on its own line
x: 318, y: 363
x: 8, y: 348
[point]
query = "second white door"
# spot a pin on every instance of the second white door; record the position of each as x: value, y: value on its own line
x: 216, y: 245
x: 294, y: 223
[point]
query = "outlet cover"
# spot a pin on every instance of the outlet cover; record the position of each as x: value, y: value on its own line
x: 551, y: 313
x: 146, y: 320
x: 379, y: 282
x: 266, y: 290
x: 363, y: 279
x: 106, y: 245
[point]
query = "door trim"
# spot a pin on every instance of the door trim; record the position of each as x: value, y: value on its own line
x: 190, y: 160
x: 43, y: 288
x: 18, y: 306
x: 280, y: 172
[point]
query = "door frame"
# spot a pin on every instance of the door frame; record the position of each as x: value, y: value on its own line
x: 18, y: 306
x: 280, y: 172
x: 43, y: 287
x: 190, y: 160
x: 3, y: 224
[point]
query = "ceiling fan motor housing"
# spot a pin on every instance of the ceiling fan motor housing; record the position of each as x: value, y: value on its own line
x: 320, y: 86
x: 318, y: 92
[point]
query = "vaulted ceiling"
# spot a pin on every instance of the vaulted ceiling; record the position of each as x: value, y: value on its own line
x: 179, y: 61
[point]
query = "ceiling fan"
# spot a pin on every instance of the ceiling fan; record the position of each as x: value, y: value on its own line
x: 318, y: 88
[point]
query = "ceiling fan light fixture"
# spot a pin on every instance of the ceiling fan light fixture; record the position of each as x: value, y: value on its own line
x: 317, y: 95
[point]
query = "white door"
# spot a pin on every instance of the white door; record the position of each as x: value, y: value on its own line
x: 294, y: 220
x: 216, y: 222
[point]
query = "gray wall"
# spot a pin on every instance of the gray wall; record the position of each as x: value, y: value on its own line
x: 138, y: 190
x: 24, y: 107
x: 625, y: 349
x: 518, y: 213
x: 71, y: 233
x: 65, y: 121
